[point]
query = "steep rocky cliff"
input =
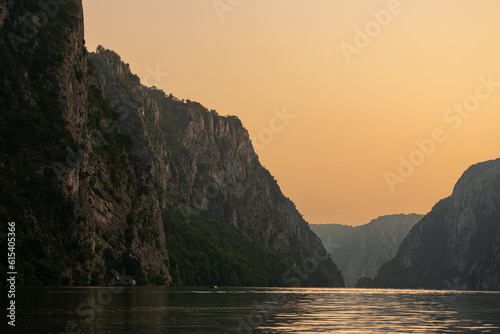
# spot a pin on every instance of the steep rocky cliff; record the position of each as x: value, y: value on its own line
x: 458, y: 241
x: 68, y: 185
x: 360, y: 251
x: 101, y: 173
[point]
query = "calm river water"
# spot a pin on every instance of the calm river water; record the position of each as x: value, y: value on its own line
x: 254, y: 310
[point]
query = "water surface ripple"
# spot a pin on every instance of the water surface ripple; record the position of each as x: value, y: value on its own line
x: 254, y: 310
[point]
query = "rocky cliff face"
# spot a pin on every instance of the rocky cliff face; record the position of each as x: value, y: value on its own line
x: 360, y: 251
x: 70, y: 201
x: 485, y: 274
x: 202, y: 162
x: 95, y: 167
x: 457, y: 241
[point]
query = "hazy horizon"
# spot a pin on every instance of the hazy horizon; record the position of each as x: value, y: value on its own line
x: 330, y: 110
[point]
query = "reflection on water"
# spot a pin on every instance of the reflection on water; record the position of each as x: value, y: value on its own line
x: 254, y: 310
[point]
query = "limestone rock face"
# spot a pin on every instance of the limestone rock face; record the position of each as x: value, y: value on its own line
x: 201, y: 161
x: 457, y: 241
x: 90, y: 160
x: 77, y: 206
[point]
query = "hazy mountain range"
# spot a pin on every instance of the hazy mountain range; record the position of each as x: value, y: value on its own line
x: 360, y: 251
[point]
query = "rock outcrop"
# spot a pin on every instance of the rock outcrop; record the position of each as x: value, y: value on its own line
x: 458, y: 241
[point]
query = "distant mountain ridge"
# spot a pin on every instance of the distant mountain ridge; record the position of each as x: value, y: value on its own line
x: 458, y: 241
x: 360, y: 251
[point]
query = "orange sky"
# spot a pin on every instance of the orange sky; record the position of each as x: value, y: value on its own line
x: 356, y: 112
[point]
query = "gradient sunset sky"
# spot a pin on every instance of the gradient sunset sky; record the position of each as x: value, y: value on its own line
x: 360, y: 101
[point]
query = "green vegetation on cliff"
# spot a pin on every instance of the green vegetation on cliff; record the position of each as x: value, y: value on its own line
x: 34, y: 134
x: 208, y: 251
x: 104, y: 175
